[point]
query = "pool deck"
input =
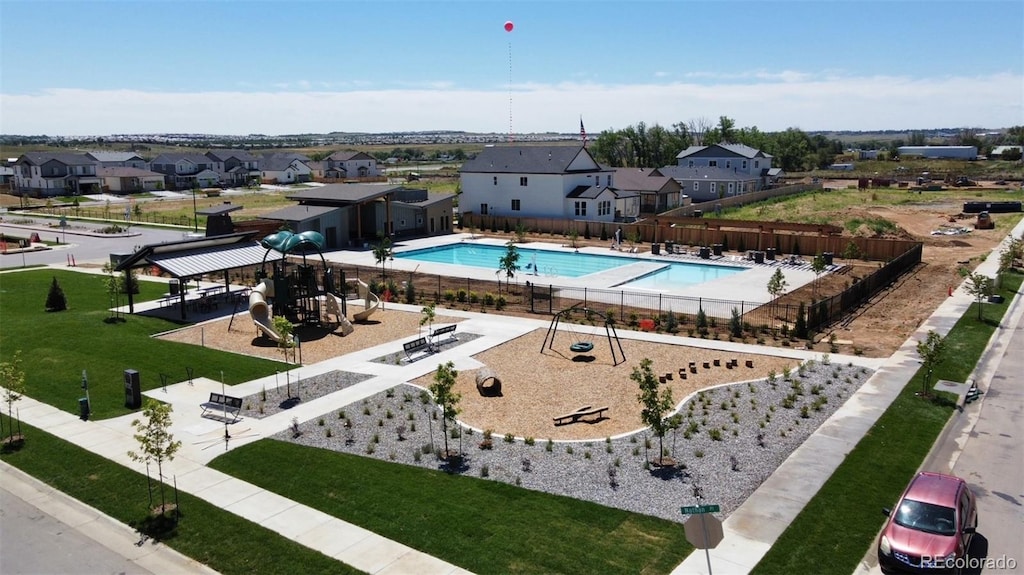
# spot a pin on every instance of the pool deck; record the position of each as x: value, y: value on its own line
x: 748, y: 286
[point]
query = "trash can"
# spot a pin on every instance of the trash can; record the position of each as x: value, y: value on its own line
x: 670, y: 247
x: 769, y: 254
x: 827, y: 256
x: 173, y: 287
x: 656, y: 249
x: 83, y: 408
x: 758, y: 257
x: 705, y: 253
x: 717, y: 249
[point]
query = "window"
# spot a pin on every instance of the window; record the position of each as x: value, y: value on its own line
x: 732, y: 188
x: 712, y: 163
x: 604, y: 208
x: 483, y: 209
x: 401, y: 223
x: 696, y: 186
x: 713, y: 187
x: 419, y: 220
x: 495, y: 180
x: 609, y: 184
x: 744, y: 164
x: 522, y: 180
x: 757, y: 164
x: 515, y: 205
x: 581, y: 208
x: 690, y: 164
x: 728, y: 164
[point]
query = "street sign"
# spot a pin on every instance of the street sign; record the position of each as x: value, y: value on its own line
x: 704, y: 531
x: 698, y: 509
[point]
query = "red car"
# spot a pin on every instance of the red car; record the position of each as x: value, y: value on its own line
x: 930, y: 529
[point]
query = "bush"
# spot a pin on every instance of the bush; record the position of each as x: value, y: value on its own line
x: 55, y: 299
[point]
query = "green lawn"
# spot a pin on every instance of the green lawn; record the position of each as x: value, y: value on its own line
x: 208, y: 534
x: 57, y: 346
x: 483, y: 526
x: 838, y: 525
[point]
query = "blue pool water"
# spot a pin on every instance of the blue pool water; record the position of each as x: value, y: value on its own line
x: 679, y: 275
x: 570, y: 264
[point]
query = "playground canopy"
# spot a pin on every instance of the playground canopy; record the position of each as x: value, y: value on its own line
x: 195, y: 257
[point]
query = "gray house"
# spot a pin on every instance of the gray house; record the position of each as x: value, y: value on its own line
x: 119, y: 160
x: 186, y: 171
x: 46, y: 174
x: 236, y: 167
x: 658, y: 192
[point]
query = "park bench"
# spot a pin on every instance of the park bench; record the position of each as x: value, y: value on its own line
x: 584, y: 411
x: 416, y: 348
x: 229, y: 405
x: 450, y: 329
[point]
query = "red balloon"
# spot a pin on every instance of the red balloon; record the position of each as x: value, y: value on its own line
x: 509, y: 26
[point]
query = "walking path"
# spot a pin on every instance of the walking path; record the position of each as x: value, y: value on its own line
x: 749, y: 532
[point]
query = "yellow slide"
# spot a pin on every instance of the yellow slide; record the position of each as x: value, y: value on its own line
x: 260, y: 310
x: 371, y: 300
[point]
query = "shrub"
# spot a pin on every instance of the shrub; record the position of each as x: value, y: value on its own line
x: 55, y: 299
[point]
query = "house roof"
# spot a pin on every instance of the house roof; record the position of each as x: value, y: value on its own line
x: 225, y: 155
x: 126, y: 172
x: 587, y: 192
x: 432, y: 198
x: 197, y: 256
x: 174, y: 158
x: 682, y: 173
x: 115, y: 156
x: 218, y: 210
x: 725, y: 150
x: 644, y: 180
x: 342, y: 194
x: 39, y: 158
x: 347, y: 155
x: 526, y: 160
x: 300, y: 213
x: 279, y: 162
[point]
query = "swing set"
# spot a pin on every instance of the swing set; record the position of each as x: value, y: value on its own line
x: 581, y: 344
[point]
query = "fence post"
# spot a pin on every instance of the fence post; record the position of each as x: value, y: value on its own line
x: 622, y: 305
x: 551, y: 296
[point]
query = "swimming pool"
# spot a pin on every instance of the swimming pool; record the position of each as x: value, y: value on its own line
x: 680, y: 275
x: 571, y: 264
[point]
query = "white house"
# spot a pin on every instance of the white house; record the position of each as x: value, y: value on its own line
x: 350, y: 164
x: 539, y: 181
x: 284, y: 169
x: 125, y: 179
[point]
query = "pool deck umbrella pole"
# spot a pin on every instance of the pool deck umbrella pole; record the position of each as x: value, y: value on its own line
x: 585, y: 346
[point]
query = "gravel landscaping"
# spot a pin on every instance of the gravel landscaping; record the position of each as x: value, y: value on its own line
x: 729, y: 440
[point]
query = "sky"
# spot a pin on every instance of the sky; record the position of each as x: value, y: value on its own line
x: 288, y: 67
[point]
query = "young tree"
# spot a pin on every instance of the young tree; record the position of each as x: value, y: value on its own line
x: 655, y: 404
x: 702, y: 322
x: 980, y: 287
x: 736, y: 323
x: 800, y: 325
x: 428, y: 315
x: 445, y: 398
x: 931, y: 352
x: 818, y: 266
x: 156, y: 443
x: 12, y: 379
x: 286, y: 330
x: 55, y: 299
x: 777, y: 285
x: 115, y: 286
x: 852, y: 251
x: 382, y: 251
x: 509, y: 263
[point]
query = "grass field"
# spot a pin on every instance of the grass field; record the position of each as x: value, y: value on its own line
x: 483, y: 526
x: 841, y: 521
x: 56, y: 347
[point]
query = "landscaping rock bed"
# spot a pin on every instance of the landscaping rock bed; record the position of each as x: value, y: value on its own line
x: 729, y: 440
x: 275, y: 400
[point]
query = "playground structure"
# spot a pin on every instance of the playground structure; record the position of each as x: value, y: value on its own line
x: 581, y: 345
x: 296, y: 293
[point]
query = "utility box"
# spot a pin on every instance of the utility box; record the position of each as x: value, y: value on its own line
x: 83, y: 408
x: 132, y: 389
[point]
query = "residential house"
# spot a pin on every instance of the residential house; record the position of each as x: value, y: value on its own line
x: 187, y: 171
x: 284, y: 168
x: 119, y: 160
x: 236, y: 167
x: 350, y: 164
x: 6, y: 175
x: 657, y: 192
x: 538, y: 181
x: 127, y: 180
x: 47, y: 174
x: 722, y: 170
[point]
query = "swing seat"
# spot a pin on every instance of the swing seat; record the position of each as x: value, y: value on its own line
x: 581, y: 347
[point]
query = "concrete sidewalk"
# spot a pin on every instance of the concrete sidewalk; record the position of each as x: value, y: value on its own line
x: 753, y: 528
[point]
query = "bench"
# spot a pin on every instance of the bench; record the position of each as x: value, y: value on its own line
x: 414, y: 348
x: 449, y: 329
x: 482, y: 376
x: 584, y: 411
x: 229, y: 405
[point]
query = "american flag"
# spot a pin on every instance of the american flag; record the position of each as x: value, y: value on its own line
x: 583, y: 133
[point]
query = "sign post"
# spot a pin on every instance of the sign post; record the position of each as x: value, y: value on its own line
x: 703, y: 531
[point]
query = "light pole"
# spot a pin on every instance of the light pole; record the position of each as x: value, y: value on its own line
x: 195, y: 217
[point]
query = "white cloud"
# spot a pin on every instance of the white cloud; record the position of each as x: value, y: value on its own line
x: 787, y: 99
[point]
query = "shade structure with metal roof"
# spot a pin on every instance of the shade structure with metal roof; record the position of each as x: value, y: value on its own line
x: 195, y: 257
